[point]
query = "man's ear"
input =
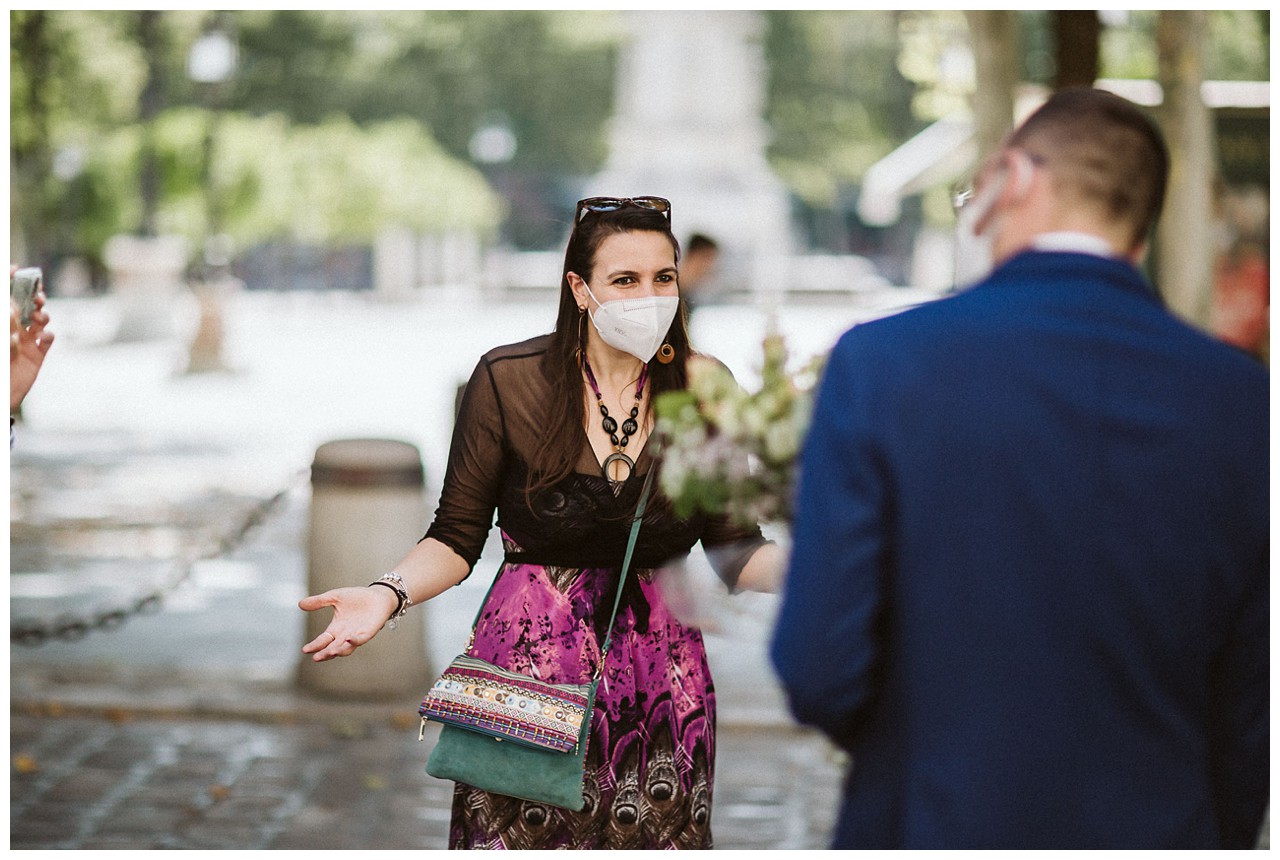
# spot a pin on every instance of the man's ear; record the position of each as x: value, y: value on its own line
x: 1021, y: 172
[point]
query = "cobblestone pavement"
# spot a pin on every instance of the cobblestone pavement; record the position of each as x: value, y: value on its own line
x: 122, y: 781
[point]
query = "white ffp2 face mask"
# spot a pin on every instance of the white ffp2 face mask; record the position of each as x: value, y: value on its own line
x: 635, y: 326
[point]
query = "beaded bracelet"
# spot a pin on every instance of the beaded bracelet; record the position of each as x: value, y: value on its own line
x: 395, y: 582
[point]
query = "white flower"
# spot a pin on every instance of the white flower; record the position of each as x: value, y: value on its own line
x: 729, y: 451
x: 781, y: 442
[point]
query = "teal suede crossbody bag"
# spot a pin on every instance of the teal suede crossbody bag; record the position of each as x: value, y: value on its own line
x: 510, y: 734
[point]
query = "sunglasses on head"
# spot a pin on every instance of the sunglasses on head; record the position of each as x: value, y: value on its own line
x: 613, y: 204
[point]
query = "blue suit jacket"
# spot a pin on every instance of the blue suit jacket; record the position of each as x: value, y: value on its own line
x: 1028, y: 589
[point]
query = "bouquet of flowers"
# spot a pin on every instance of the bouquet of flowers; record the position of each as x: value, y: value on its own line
x: 730, y: 451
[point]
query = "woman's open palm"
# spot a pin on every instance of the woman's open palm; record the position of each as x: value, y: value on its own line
x: 358, y: 615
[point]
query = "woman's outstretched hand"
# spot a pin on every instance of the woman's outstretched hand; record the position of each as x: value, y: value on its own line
x: 28, y: 345
x: 358, y: 615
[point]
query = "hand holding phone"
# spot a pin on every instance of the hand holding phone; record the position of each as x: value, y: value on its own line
x: 23, y: 286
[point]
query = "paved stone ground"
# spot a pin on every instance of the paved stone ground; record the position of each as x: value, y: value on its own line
x: 122, y: 781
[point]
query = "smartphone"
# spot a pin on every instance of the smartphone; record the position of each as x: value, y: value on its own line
x: 23, y: 286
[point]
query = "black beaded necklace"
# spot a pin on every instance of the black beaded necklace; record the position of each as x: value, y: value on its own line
x: 610, y: 425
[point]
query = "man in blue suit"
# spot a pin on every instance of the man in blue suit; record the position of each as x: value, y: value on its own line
x: 1029, y: 583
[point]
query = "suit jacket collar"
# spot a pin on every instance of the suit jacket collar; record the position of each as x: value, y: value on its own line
x: 1066, y: 266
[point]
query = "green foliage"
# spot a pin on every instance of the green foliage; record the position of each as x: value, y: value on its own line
x: 548, y: 74
x: 327, y: 183
x: 368, y: 114
x: 75, y: 83
x: 296, y: 62
x: 1128, y: 49
x: 836, y: 100
x: 71, y: 68
x: 339, y: 174
x: 1238, y: 49
x: 729, y: 451
x: 341, y: 121
x: 1240, y: 45
x: 936, y: 56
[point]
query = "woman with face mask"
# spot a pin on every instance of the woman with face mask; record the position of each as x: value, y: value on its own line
x: 555, y: 434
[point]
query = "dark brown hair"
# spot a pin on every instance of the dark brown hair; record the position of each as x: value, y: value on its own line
x: 561, y: 444
x: 1104, y: 149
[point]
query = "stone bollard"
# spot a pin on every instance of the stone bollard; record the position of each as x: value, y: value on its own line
x: 367, y: 511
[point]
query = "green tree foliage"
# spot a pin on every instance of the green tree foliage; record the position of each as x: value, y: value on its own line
x: 549, y: 75
x: 393, y: 99
x: 295, y: 62
x: 1239, y: 45
x: 935, y: 55
x: 60, y: 96
x: 837, y: 101
x: 545, y: 80
x: 328, y: 183
x: 388, y: 100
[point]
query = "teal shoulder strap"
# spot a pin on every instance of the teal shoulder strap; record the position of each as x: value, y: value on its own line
x: 626, y: 562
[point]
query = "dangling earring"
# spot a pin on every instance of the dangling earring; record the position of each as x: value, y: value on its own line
x: 666, y: 353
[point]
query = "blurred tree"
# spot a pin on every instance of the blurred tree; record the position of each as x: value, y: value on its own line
x: 1076, y: 35
x: 936, y: 55
x: 1185, y: 247
x: 531, y: 90
x: 71, y: 74
x: 995, y: 50
x: 83, y: 168
x: 1238, y: 46
x: 327, y: 183
x: 152, y: 41
x: 549, y: 75
x: 542, y: 80
x: 836, y: 101
x: 295, y: 62
x: 32, y: 53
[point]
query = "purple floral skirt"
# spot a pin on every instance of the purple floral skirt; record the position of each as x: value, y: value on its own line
x: 651, y: 754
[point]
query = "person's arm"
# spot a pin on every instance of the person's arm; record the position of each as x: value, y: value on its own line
x: 28, y: 346
x: 741, y: 557
x: 445, y: 556
x: 763, y: 572
x: 825, y: 647
x: 359, y: 613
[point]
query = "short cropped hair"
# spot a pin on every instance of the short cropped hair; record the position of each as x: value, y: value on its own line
x: 1103, y: 149
x: 700, y: 242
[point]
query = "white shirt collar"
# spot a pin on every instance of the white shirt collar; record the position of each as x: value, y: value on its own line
x: 1074, y: 242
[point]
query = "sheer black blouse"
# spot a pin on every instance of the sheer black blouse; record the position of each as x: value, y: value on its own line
x: 578, y: 522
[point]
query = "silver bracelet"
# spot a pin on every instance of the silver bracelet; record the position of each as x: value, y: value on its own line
x: 395, y: 582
